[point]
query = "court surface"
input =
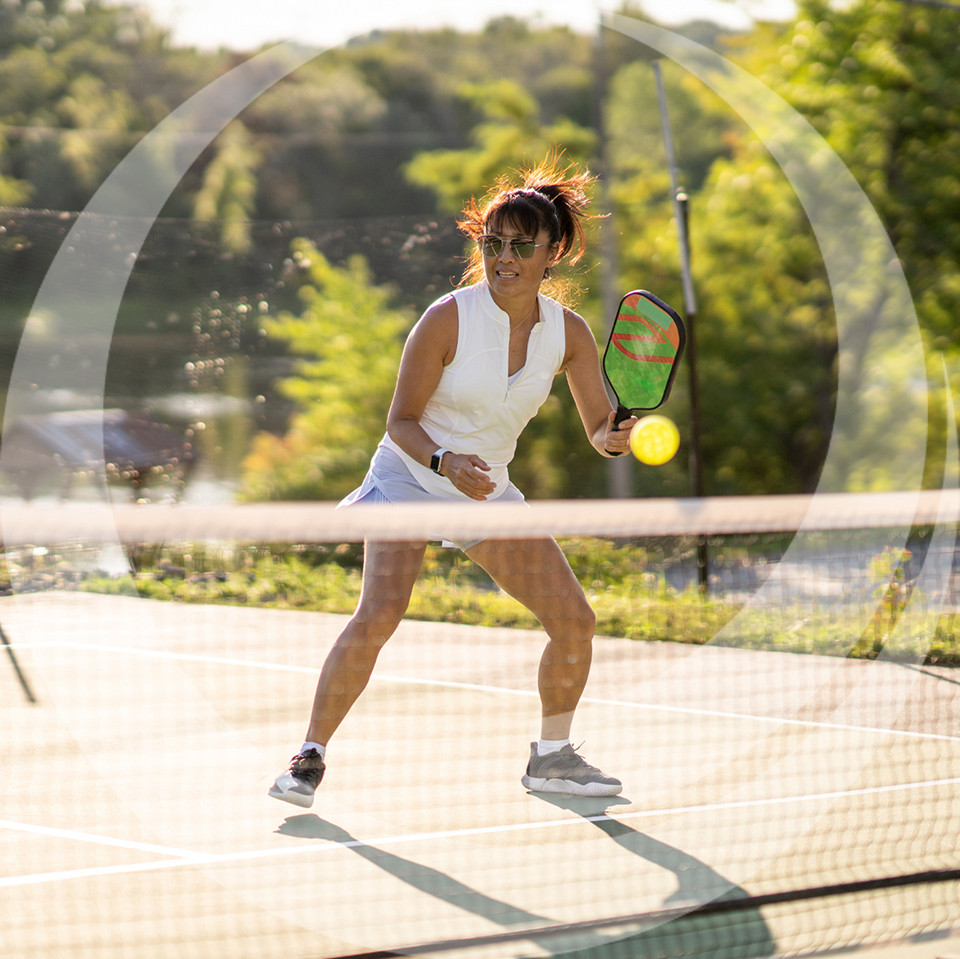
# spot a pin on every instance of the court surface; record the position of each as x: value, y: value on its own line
x: 134, y: 819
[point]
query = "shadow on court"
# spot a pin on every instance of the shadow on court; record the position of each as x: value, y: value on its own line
x: 929, y: 672
x: 741, y: 935
x: 431, y: 881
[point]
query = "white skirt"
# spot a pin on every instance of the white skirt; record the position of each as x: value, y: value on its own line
x: 389, y: 481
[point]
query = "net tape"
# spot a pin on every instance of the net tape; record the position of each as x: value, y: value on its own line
x: 324, y: 523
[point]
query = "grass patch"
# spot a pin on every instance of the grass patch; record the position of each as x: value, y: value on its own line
x: 625, y: 583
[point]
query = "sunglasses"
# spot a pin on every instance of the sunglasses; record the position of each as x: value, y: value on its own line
x: 491, y: 245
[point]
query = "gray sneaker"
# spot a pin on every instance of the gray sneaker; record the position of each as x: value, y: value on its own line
x: 568, y: 773
x: 298, y: 784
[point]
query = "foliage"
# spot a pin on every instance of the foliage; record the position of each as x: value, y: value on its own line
x: 881, y: 82
x: 229, y: 188
x: 769, y: 342
x: 351, y: 341
x: 510, y: 136
x: 13, y: 192
x: 878, y: 81
x: 700, y: 123
x: 314, y: 127
x: 81, y: 83
x: 355, y: 116
x: 630, y: 597
x: 765, y: 338
x: 892, y: 592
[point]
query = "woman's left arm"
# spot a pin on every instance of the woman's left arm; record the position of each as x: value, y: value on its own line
x: 582, y: 366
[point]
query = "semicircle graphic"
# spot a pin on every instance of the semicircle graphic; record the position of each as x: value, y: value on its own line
x: 83, y: 288
x: 881, y: 358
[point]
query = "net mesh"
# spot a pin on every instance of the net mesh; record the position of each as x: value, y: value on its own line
x: 787, y: 739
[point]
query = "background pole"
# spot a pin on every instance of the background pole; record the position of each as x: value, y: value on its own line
x: 681, y: 214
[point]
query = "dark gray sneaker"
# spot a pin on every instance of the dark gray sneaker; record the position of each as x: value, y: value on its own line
x: 566, y: 772
x: 300, y: 781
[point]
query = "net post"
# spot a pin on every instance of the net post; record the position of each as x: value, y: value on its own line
x: 24, y: 684
x: 5, y: 589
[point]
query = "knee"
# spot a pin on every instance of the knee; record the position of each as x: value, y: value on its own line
x: 377, y: 620
x: 576, y: 625
x: 584, y: 621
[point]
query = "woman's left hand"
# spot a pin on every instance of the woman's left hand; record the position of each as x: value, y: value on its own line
x: 617, y: 440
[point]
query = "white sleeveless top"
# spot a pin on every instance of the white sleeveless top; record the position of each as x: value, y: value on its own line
x: 477, y: 407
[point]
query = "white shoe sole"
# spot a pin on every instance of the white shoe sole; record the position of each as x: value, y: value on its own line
x: 280, y: 790
x: 567, y: 787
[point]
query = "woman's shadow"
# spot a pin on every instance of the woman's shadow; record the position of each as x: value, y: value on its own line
x: 742, y: 935
x: 428, y: 880
x: 736, y: 935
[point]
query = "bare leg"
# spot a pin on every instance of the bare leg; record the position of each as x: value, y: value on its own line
x: 536, y: 573
x: 390, y: 571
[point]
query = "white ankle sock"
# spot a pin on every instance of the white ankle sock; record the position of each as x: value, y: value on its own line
x: 320, y: 749
x: 545, y: 746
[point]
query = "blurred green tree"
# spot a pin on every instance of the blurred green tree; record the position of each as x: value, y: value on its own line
x: 80, y: 83
x: 229, y: 191
x: 13, y: 192
x: 879, y: 80
x: 408, y: 122
x: 350, y: 340
x: 510, y: 135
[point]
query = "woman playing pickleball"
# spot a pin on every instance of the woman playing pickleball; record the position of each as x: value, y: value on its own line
x: 475, y: 369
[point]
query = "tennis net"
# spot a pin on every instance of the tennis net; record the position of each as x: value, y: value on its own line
x: 787, y: 736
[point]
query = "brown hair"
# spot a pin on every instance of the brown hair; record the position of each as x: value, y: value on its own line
x: 551, y: 198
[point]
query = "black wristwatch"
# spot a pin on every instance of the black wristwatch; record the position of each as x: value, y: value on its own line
x: 436, y: 461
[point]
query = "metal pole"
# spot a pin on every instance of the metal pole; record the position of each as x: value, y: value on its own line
x: 689, y: 300
x: 27, y: 691
x: 680, y: 210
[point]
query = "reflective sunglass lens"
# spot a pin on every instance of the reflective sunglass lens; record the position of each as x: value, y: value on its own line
x: 492, y: 245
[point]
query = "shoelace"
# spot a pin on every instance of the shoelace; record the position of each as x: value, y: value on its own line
x: 573, y: 758
x: 577, y: 761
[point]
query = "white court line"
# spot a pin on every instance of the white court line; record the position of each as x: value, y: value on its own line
x: 94, y: 838
x: 37, y: 645
x: 204, y: 859
x: 478, y: 687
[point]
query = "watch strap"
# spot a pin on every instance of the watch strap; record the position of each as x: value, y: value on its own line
x: 436, y: 461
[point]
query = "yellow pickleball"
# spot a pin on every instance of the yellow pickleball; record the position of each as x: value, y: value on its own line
x: 654, y: 439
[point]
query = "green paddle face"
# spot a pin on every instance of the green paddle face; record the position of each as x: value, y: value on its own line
x: 643, y: 351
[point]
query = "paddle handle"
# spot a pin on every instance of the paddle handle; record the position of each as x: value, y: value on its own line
x: 622, y: 414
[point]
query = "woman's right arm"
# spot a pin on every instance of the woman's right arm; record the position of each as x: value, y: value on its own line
x: 430, y: 347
